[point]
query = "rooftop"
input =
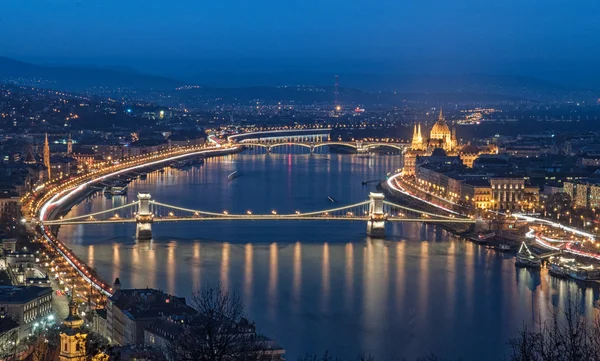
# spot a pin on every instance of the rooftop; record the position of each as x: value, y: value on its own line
x: 149, y: 303
x: 18, y: 295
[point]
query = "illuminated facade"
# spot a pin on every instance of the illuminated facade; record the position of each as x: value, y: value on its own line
x: 583, y: 193
x: 440, y: 136
x: 469, y: 153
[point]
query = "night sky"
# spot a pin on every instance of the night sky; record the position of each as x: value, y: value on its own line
x: 507, y: 35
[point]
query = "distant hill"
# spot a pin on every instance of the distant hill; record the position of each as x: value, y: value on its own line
x: 276, y: 85
x: 75, y: 78
x: 507, y: 85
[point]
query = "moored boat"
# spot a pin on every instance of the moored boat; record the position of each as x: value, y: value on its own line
x: 563, y: 267
x: 502, y: 247
x: 115, y: 190
x: 525, y: 258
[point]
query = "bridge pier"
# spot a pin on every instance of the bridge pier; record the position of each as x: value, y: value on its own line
x: 143, y: 218
x: 376, y: 222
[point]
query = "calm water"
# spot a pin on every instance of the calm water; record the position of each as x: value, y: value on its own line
x: 319, y: 286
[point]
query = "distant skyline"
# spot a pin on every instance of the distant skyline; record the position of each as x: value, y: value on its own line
x: 181, y: 38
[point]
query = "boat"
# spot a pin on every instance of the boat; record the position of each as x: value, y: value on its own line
x: 502, y: 247
x: 331, y: 199
x: 525, y: 258
x: 115, y: 190
x: 188, y: 163
x: 233, y: 175
x: 562, y: 267
x: 557, y: 270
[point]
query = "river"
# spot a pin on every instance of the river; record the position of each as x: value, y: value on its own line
x: 316, y: 286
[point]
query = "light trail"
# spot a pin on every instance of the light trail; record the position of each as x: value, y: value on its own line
x: 391, y: 184
x: 554, y: 224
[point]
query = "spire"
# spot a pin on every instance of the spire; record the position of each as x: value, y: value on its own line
x: 417, y: 140
x: 47, y: 157
x: 441, y: 117
x: 73, y: 320
x: 69, y: 145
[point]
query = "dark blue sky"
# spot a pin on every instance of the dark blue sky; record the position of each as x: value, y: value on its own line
x: 386, y: 35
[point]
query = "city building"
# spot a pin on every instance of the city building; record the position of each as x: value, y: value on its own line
x: 130, y: 311
x: 10, y: 206
x: 584, y: 193
x: 29, y: 305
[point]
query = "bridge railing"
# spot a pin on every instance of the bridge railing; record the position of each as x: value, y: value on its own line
x: 123, y: 212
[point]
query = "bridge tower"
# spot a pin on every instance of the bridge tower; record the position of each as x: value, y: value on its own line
x: 360, y: 148
x: 144, y: 218
x: 376, y: 222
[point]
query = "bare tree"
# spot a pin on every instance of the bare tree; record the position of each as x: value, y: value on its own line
x: 217, y: 332
x: 41, y: 350
x: 567, y: 336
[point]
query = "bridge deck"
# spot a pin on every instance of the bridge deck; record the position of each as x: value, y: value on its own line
x: 259, y: 218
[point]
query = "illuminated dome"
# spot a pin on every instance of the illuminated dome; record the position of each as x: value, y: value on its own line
x: 440, y: 130
x: 441, y: 136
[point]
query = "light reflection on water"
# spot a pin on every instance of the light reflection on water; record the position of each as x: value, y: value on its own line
x: 316, y: 286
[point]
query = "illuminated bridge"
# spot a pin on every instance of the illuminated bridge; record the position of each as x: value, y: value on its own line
x: 307, y: 138
x: 375, y: 211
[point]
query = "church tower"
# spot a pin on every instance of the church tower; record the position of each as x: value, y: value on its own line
x: 47, y: 157
x: 70, y: 145
x: 73, y: 339
x: 417, y: 139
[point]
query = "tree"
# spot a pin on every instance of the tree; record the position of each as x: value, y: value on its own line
x: 216, y: 332
x: 567, y: 336
x: 41, y: 350
x: 9, y: 337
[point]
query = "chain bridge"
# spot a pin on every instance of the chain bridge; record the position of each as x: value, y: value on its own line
x: 375, y: 211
